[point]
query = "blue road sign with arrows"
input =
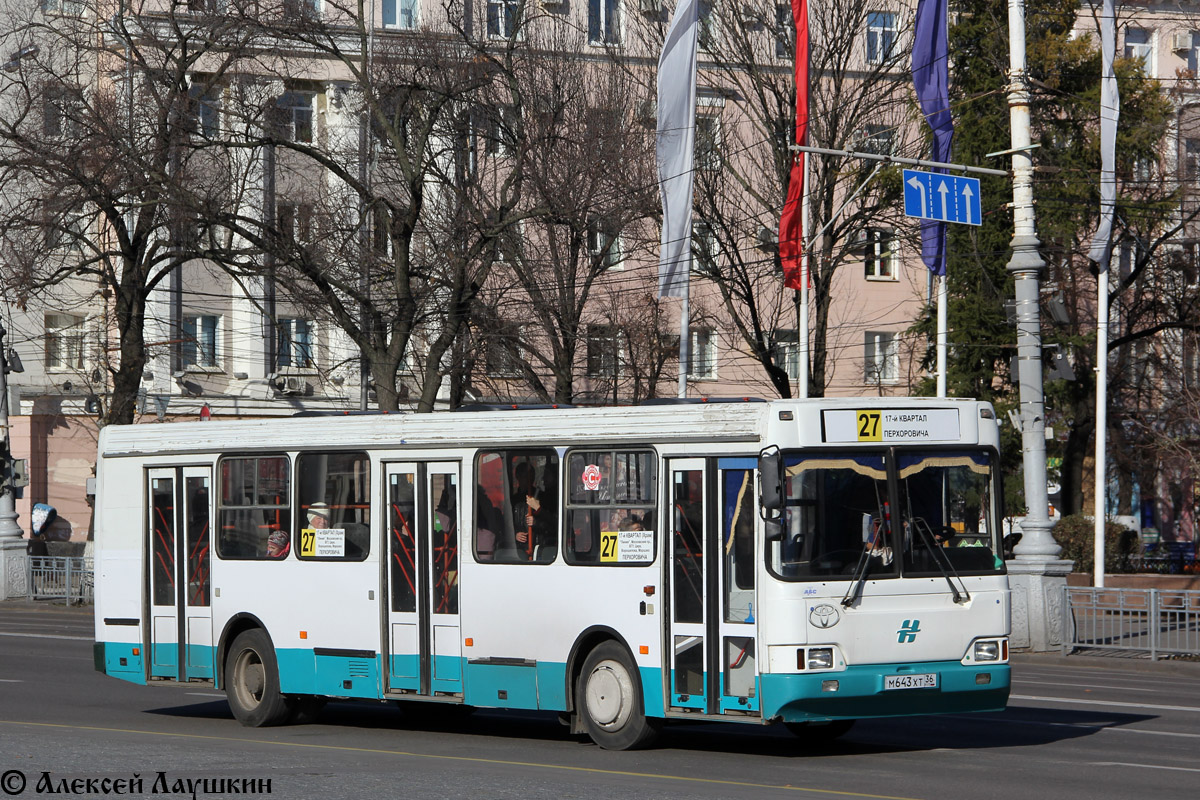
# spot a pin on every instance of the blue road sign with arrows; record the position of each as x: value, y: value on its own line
x: 945, y: 198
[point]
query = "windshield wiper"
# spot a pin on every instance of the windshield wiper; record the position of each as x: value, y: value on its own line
x: 880, y: 548
x: 944, y: 565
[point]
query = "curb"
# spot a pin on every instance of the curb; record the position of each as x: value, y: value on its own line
x: 1135, y: 663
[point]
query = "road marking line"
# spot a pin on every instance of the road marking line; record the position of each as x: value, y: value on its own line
x: 1143, y: 766
x: 207, y: 694
x: 468, y: 759
x: 1088, y: 686
x: 1111, y: 703
x: 11, y: 680
x: 49, y: 636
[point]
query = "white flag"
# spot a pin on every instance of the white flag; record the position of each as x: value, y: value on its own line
x: 676, y: 146
x: 1110, y: 110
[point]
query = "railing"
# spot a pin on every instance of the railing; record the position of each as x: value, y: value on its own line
x: 1161, y: 622
x: 65, y: 577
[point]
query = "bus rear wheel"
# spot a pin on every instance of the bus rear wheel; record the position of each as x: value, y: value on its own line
x: 252, y: 681
x: 609, y: 700
x: 818, y: 732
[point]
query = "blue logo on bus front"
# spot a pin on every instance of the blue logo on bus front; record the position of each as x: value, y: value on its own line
x: 908, y: 631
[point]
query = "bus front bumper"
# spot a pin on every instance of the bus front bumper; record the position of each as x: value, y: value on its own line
x: 859, y: 691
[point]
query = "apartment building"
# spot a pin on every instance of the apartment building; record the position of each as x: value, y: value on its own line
x: 293, y: 163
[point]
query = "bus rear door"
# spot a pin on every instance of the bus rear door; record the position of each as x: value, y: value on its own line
x: 177, y: 527
x: 713, y: 669
x: 424, y: 654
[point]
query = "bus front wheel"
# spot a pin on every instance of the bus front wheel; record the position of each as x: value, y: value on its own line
x: 609, y: 700
x: 252, y: 681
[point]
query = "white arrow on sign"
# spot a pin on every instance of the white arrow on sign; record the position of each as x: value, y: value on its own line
x: 943, y: 190
x: 968, y: 194
x: 920, y: 187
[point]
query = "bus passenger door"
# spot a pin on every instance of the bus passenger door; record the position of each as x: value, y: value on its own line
x: 423, y: 637
x: 689, y: 512
x: 713, y: 665
x: 736, y: 515
x: 180, y: 635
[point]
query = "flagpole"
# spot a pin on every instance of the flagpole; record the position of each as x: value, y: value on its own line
x: 805, y: 278
x: 942, y: 324
x: 684, y: 338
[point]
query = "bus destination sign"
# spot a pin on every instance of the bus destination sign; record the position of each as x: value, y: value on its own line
x: 890, y: 425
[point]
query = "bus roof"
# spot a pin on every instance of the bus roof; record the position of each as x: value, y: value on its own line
x: 683, y: 422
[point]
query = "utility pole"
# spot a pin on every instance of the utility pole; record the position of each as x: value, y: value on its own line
x: 12, y: 549
x: 1036, y: 572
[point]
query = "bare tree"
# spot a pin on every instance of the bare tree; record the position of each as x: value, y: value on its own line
x: 99, y: 117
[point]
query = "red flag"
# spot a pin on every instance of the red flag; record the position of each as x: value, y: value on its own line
x: 791, y: 232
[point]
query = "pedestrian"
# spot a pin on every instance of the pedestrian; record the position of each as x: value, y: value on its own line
x: 41, y: 518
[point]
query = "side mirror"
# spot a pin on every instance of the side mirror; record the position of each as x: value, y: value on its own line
x: 770, y: 483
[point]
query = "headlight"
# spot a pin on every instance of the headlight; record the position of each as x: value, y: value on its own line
x: 988, y: 650
x: 820, y: 658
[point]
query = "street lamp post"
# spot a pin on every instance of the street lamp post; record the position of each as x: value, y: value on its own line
x: 12, y: 549
x: 1036, y: 573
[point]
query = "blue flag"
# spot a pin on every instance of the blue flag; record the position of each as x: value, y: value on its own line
x: 931, y: 75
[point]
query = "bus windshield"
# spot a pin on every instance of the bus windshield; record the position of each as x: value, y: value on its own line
x: 946, y: 503
x: 841, y: 519
x: 836, y: 510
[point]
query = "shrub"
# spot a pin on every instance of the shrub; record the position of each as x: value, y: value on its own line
x: 1077, y: 535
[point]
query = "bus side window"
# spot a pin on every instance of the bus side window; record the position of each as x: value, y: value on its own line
x: 516, y: 506
x: 610, y: 501
x: 333, y: 523
x: 254, y: 503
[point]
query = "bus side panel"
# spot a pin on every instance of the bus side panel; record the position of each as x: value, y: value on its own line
x: 119, y: 571
x: 534, y: 614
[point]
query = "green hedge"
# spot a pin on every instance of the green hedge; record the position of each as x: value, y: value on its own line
x: 1077, y: 535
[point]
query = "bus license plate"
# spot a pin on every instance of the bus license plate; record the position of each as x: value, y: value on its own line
x: 928, y: 680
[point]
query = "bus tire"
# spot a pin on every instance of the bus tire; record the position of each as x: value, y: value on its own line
x: 252, y: 681
x: 609, y: 700
x: 814, y: 733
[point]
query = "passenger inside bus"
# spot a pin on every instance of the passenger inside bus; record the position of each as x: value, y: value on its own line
x: 533, y: 515
x: 278, y: 545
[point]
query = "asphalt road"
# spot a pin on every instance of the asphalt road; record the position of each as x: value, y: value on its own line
x: 1080, y: 727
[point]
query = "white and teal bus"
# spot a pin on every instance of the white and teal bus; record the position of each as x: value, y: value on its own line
x: 810, y: 562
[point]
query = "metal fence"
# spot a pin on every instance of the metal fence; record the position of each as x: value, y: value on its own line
x: 1160, y: 622
x: 64, y: 577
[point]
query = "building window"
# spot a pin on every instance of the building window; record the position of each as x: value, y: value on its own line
x: 881, y: 36
x: 705, y: 248
x: 708, y: 25
x: 294, y: 343
x: 702, y: 354
x: 200, y: 341
x: 1193, y: 61
x: 603, y: 351
x: 1139, y: 45
x: 708, y: 142
x: 503, y: 17
x: 878, y: 139
x: 295, y: 222
x: 1191, y: 159
x: 400, y: 14
x: 206, y: 6
x: 501, y: 130
x: 879, y: 254
x: 204, y: 111
x: 785, y: 31
x: 604, y: 22
x: 67, y: 8
x: 65, y: 337
x: 604, y: 243
x: 881, y: 359
x: 301, y: 9
x: 503, y: 356
x: 334, y: 490
x: 61, y: 112
x: 785, y: 352
x: 296, y: 116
